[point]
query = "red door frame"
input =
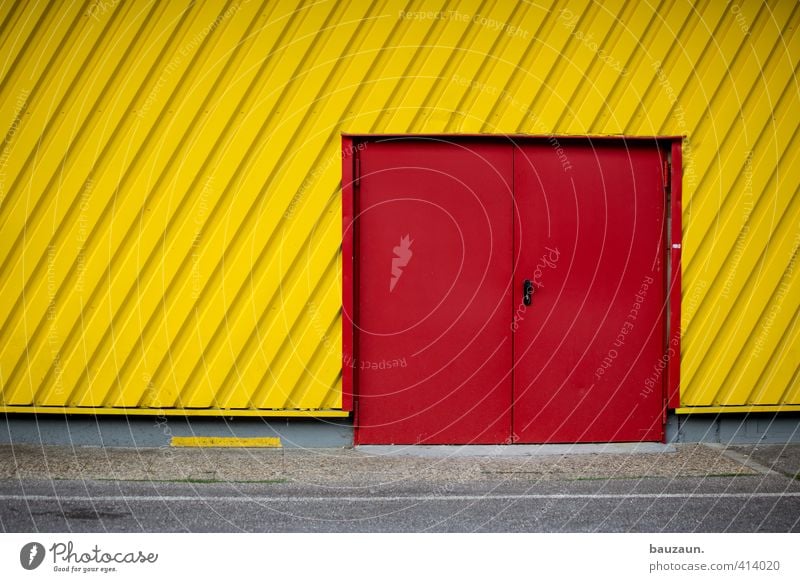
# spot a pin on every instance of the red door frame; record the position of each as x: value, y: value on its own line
x: 352, y: 144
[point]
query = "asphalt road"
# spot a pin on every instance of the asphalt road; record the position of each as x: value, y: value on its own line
x: 752, y: 503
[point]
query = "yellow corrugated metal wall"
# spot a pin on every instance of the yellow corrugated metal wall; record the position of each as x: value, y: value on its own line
x: 169, y: 178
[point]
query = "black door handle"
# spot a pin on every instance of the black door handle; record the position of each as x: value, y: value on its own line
x: 527, y: 292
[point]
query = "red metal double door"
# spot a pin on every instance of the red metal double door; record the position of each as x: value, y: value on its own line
x: 508, y: 291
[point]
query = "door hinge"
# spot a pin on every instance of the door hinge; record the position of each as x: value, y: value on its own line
x: 664, y: 413
x: 667, y: 175
x: 356, y: 170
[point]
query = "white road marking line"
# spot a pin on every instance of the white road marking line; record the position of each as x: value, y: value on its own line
x: 358, y: 499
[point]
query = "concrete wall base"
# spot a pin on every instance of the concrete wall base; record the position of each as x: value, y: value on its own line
x: 753, y: 428
x: 157, y: 431
x: 138, y: 431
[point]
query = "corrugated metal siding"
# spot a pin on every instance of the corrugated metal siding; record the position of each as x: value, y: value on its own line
x: 169, y: 206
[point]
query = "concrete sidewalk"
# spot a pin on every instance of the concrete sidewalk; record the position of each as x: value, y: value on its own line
x: 382, y: 467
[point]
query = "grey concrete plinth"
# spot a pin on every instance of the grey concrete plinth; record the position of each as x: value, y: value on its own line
x: 146, y: 431
x: 513, y: 450
x: 762, y: 427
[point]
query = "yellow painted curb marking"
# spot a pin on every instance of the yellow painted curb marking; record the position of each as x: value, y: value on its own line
x: 227, y: 442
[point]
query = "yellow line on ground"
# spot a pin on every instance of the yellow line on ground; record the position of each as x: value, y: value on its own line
x: 227, y: 442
